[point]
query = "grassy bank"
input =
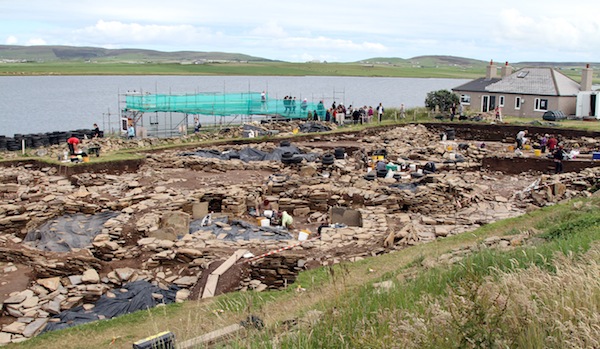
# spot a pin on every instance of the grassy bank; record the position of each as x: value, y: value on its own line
x: 543, y: 293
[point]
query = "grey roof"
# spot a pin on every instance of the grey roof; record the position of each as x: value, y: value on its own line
x: 477, y: 85
x: 536, y: 81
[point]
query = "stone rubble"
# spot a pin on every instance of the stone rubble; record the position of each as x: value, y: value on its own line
x: 149, y: 239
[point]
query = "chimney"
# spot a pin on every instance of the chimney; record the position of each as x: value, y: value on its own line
x: 506, y: 70
x: 586, y: 78
x: 490, y: 71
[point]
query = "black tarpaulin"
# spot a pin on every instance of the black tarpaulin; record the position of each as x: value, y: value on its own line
x: 131, y: 297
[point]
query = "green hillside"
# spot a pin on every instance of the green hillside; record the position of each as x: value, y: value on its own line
x: 70, y: 53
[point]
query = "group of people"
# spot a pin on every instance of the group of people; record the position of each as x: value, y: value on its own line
x: 74, y: 142
x: 264, y: 208
x: 339, y: 113
x: 546, y: 142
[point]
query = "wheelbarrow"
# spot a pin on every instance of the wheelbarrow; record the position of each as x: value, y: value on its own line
x: 94, y: 149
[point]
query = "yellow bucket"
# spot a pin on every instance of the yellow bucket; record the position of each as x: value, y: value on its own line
x: 295, y: 131
x: 86, y: 159
x: 527, y: 147
x: 537, y: 152
x: 449, y: 148
x: 511, y: 148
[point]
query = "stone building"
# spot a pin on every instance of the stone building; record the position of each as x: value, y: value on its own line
x: 528, y: 92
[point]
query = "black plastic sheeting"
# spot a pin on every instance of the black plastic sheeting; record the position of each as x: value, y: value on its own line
x: 311, y: 127
x: 137, y: 297
x: 62, y: 234
x: 240, y: 230
x: 252, y: 154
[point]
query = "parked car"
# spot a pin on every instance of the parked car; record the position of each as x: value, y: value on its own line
x: 554, y: 115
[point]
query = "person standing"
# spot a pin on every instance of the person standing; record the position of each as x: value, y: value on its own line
x: 130, y: 132
x: 402, y: 111
x: 321, y: 111
x: 452, y: 111
x: 73, y: 144
x: 263, y: 101
x: 558, y: 156
x: 552, y: 143
x: 543, y: 143
x: 380, y: 111
x: 197, y: 124
x: 498, y: 113
x: 303, y: 106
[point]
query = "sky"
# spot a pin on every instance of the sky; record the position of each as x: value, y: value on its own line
x: 325, y: 30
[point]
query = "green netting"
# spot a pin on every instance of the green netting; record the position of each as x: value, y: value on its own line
x: 221, y: 104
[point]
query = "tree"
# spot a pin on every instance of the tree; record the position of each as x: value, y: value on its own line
x: 442, y: 98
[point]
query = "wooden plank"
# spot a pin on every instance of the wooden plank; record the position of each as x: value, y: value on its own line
x: 229, y: 262
x: 211, y: 286
x: 211, y: 337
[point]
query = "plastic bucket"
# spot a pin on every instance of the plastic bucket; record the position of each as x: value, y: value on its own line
x: 265, y: 222
x: 86, y: 159
x: 511, y: 148
x: 413, y: 167
x: 596, y: 156
x: 449, y: 148
x: 537, y: 152
x: 303, y: 235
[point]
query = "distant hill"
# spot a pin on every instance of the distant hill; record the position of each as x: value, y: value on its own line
x: 426, y: 61
x: 65, y: 53
x: 436, y: 61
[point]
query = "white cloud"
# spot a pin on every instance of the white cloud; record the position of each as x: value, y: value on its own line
x: 36, y: 41
x: 113, y: 33
x: 12, y: 40
x: 322, y: 42
x: 544, y: 32
x: 269, y: 29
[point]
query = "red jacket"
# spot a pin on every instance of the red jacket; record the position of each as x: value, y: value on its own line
x: 73, y: 140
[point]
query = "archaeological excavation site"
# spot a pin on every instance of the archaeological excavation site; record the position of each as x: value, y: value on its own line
x: 219, y: 212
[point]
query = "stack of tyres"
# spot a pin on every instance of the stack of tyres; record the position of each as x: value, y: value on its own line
x: 339, y: 153
x: 2, y: 142
x: 13, y: 144
x: 287, y: 157
x: 327, y: 159
x: 450, y: 134
x: 37, y: 141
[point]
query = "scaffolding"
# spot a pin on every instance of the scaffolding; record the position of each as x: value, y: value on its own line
x: 169, y: 114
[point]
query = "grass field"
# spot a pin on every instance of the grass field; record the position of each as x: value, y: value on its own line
x: 266, y: 69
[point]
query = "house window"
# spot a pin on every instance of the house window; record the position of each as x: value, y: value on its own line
x: 501, y: 101
x: 541, y: 104
x: 465, y: 99
x: 517, y: 103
